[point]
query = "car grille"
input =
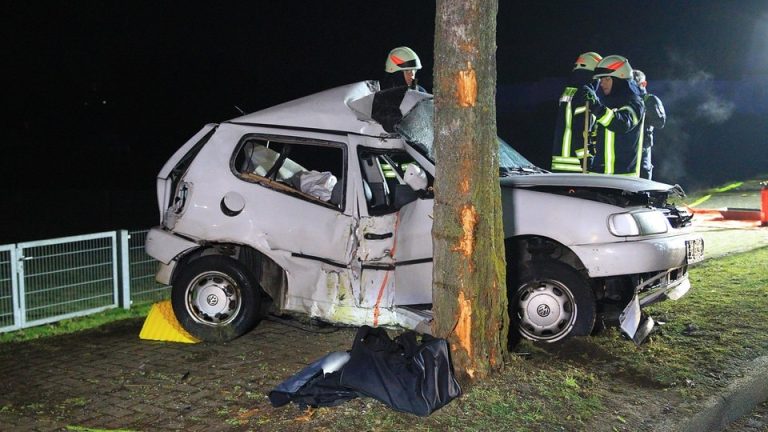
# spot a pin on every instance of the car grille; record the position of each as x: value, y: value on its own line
x: 678, y: 217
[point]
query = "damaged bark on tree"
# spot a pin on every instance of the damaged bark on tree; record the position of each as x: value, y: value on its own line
x: 469, y: 289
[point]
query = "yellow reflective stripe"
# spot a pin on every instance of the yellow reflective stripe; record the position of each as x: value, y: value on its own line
x: 606, y: 118
x: 640, y: 149
x: 610, y: 155
x: 631, y: 112
x: 562, y: 159
x: 566, y: 148
x: 568, y: 94
x: 579, y: 110
x: 566, y: 167
x: 580, y: 153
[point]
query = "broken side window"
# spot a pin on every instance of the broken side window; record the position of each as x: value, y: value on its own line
x: 305, y: 168
x: 383, y: 180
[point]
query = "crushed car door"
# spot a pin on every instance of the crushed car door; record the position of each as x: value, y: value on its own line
x: 394, y: 232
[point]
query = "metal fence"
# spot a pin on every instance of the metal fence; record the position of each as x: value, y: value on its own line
x: 142, y: 267
x: 50, y: 280
x: 8, y: 301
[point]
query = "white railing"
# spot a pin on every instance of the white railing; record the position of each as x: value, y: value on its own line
x: 50, y: 280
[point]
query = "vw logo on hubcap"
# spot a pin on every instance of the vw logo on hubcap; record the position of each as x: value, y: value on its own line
x: 543, y: 310
x: 212, y: 300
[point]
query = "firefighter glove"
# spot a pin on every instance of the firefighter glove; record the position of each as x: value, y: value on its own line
x: 590, y: 96
x: 595, y: 106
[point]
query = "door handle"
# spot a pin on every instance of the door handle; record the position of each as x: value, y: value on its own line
x: 372, y: 236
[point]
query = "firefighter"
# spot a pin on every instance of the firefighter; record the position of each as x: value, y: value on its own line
x: 619, y: 114
x: 655, y: 118
x: 568, y: 147
x: 401, y: 66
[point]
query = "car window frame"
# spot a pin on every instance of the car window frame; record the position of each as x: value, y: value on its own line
x: 282, y: 187
x: 387, y: 152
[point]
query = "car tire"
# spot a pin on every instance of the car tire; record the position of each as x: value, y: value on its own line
x: 216, y: 298
x: 549, y: 301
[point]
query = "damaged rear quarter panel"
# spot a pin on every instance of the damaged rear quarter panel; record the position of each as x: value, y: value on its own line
x: 270, y: 220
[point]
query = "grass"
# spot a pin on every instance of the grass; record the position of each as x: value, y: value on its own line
x: 700, y: 198
x: 86, y: 429
x: 73, y: 325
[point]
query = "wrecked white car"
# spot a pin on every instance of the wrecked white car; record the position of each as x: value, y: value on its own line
x: 323, y: 206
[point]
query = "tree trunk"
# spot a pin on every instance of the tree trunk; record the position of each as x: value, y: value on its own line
x: 469, y: 290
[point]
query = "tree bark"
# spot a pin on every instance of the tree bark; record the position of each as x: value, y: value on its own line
x: 469, y: 289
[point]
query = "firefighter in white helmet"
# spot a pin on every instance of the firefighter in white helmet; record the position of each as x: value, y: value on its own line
x: 568, y: 147
x: 655, y: 118
x: 401, y: 66
x: 619, y: 114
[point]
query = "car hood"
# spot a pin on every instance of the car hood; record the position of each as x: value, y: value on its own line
x: 598, y: 181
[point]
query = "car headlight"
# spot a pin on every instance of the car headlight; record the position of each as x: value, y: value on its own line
x: 637, y: 223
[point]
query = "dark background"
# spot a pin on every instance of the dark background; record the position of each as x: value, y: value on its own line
x: 98, y: 95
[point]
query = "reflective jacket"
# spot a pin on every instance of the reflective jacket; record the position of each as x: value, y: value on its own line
x: 620, y: 130
x: 568, y: 146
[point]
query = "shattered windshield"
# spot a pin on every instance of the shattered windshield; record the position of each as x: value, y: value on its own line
x: 416, y: 127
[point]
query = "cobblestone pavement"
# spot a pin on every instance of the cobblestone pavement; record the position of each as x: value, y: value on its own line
x: 108, y: 378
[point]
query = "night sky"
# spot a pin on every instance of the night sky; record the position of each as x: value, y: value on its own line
x: 99, y: 94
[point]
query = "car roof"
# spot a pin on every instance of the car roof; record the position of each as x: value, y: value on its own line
x: 327, y: 110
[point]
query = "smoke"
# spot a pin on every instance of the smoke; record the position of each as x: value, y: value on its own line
x: 670, y: 151
x: 695, y: 92
x: 692, y: 104
x: 715, y: 111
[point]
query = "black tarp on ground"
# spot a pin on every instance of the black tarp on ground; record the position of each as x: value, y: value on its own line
x: 406, y: 374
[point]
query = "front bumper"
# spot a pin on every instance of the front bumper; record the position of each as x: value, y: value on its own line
x: 671, y: 285
x: 637, y: 257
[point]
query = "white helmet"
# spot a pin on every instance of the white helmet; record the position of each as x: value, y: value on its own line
x: 614, y: 66
x: 402, y: 59
x: 587, y: 60
x: 638, y: 75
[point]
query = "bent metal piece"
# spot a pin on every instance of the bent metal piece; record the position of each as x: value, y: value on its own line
x: 634, y: 324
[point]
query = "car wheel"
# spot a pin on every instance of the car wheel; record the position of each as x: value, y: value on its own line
x: 550, y: 301
x: 216, y: 299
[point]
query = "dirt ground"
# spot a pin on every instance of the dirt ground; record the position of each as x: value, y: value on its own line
x: 756, y: 421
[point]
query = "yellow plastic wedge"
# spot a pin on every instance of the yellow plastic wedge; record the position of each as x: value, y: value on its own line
x: 161, y: 325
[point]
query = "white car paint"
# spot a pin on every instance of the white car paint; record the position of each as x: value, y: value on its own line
x: 341, y: 264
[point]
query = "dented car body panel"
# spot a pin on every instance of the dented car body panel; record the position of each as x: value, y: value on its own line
x: 602, y: 253
x: 353, y: 245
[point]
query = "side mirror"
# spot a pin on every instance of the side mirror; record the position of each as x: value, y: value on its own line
x: 415, y: 177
